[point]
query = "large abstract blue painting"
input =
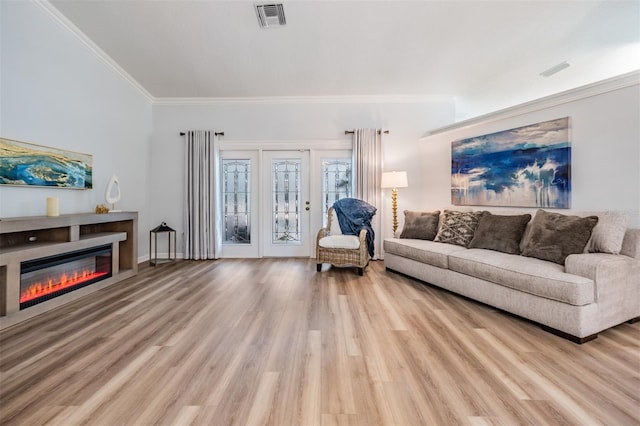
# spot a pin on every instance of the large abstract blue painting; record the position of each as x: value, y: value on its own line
x: 27, y: 164
x: 527, y: 166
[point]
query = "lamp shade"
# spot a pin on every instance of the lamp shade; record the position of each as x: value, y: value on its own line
x: 394, y: 180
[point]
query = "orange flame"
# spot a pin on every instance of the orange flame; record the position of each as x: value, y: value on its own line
x: 51, y: 285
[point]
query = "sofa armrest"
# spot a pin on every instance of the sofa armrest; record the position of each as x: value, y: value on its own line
x: 616, y: 280
x: 598, y: 266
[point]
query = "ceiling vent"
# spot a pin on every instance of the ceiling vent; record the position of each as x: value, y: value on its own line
x: 556, y: 68
x: 271, y: 15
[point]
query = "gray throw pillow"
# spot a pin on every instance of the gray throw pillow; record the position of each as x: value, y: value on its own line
x: 458, y: 227
x: 420, y: 225
x: 608, y: 234
x: 500, y: 233
x: 554, y: 236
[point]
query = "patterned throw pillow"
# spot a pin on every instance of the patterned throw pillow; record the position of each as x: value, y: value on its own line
x: 458, y: 227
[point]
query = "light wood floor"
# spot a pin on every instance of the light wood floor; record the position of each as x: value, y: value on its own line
x: 273, y: 342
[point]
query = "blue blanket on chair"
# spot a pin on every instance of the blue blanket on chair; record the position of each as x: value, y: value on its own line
x: 355, y: 215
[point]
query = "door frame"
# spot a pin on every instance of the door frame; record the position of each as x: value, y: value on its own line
x: 316, y: 147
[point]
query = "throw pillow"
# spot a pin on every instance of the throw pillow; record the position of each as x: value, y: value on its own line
x: 458, y: 227
x: 500, y: 233
x: 554, y: 236
x: 420, y: 225
x: 334, y: 225
x: 608, y: 234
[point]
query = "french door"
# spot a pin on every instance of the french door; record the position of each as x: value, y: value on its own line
x: 274, y: 200
x: 240, y: 203
x: 286, y: 204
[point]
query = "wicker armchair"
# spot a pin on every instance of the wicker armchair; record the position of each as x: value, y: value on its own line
x: 341, y: 250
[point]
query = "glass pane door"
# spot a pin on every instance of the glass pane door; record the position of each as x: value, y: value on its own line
x: 286, y: 198
x: 331, y: 180
x: 239, y: 187
x: 236, y: 201
x: 336, y: 182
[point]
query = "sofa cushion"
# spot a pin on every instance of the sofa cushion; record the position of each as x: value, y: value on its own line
x: 420, y: 225
x: 424, y: 251
x: 530, y: 275
x: 350, y: 242
x: 458, y: 227
x: 500, y: 233
x: 554, y: 236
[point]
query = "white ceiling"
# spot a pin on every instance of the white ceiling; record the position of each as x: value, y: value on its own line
x: 345, y: 48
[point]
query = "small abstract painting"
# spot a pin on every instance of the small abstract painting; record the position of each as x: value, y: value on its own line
x: 27, y: 164
x: 527, y: 166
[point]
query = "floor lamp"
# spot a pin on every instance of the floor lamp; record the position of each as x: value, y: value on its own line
x: 394, y: 180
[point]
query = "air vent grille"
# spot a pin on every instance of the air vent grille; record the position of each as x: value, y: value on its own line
x: 271, y: 15
x: 556, y: 68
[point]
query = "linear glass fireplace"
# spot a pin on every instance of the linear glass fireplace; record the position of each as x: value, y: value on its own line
x: 48, y: 277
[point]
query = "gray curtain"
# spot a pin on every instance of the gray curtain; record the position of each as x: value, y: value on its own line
x: 201, y: 238
x: 367, y: 161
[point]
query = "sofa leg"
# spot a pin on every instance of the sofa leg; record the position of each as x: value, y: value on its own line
x: 361, y: 271
x: 574, y: 339
x: 319, y: 267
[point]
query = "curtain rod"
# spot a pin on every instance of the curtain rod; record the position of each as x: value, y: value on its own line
x: 215, y: 133
x: 350, y: 132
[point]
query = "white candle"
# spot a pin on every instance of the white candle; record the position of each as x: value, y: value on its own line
x: 52, y: 206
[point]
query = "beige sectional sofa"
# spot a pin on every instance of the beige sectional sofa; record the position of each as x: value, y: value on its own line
x: 588, y: 294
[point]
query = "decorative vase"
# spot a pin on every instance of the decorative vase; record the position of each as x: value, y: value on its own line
x: 112, y: 194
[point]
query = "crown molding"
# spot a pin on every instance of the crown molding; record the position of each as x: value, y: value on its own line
x: 287, y: 100
x: 65, y: 23
x: 286, y: 145
x: 594, y: 89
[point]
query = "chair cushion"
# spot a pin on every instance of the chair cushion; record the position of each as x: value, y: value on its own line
x: 350, y: 242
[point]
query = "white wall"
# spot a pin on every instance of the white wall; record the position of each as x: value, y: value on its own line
x: 56, y: 92
x: 288, y: 121
x: 605, y: 134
